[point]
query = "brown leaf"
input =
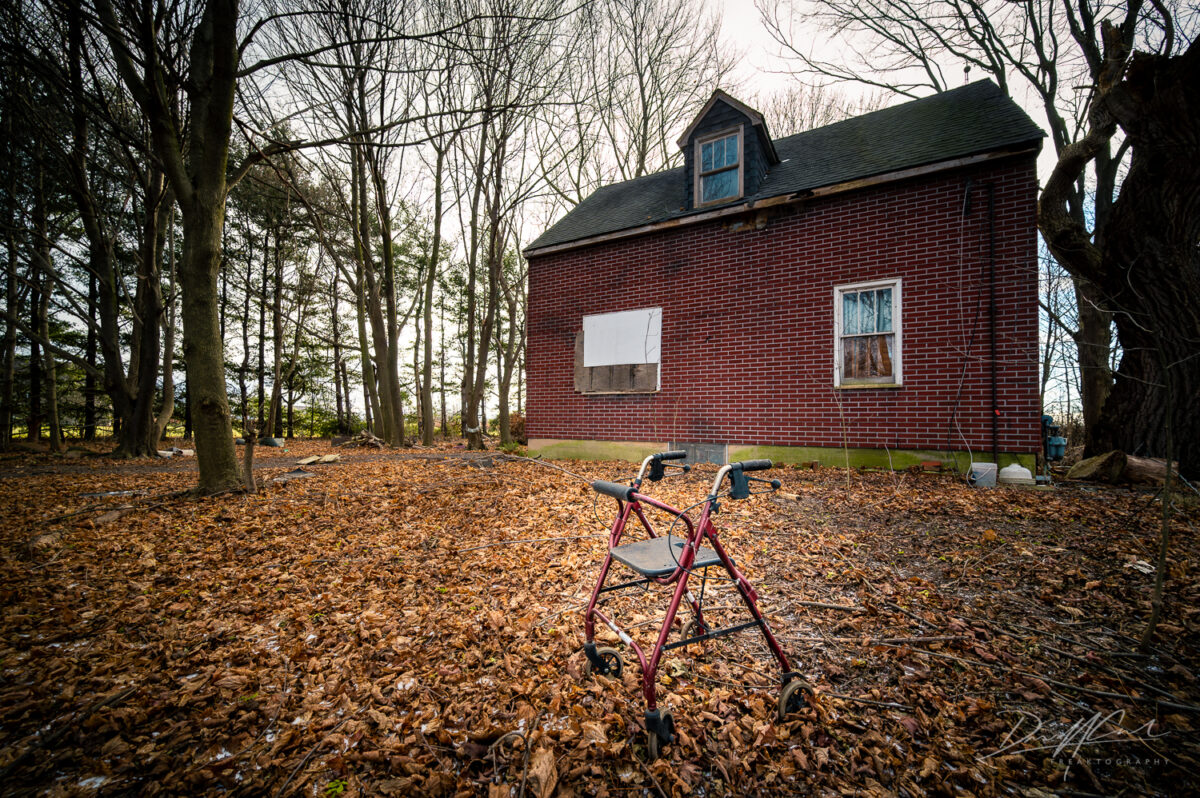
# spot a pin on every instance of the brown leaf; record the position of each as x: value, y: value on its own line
x: 543, y: 773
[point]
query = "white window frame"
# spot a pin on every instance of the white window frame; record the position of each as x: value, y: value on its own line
x: 896, y: 284
x: 740, y: 132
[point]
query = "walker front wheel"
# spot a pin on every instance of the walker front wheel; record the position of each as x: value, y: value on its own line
x: 611, y: 663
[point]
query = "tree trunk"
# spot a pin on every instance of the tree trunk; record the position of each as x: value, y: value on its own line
x: 381, y: 308
x: 203, y: 349
x: 187, y: 406
x: 430, y: 279
x: 1093, y: 342
x: 442, y: 361
x: 139, y: 430
x: 55, y: 438
x: 49, y: 373
x: 346, y: 387
x: 274, y: 417
x: 11, y: 312
x: 340, y: 424
x: 1152, y: 264
x: 167, y: 408
x: 474, y: 413
x: 370, y: 397
x: 291, y: 415
x: 418, y: 387
x: 89, y: 380
x: 244, y: 367
x: 381, y: 378
x: 11, y: 299
x: 34, y: 429
x: 261, y: 426
x: 1146, y: 265
x: 36, y: 309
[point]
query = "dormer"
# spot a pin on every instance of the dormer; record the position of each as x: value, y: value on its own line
x: 727, y: 152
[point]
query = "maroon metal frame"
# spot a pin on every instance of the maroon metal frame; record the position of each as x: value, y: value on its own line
x: 697, y: 534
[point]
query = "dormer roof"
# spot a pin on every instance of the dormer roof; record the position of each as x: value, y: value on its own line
x: 756, y: 119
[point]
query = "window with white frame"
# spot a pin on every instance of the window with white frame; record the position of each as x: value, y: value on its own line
x: 719, y: 167
x: 867, y: 331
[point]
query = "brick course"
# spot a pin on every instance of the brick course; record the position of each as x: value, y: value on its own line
x: 748, y: 330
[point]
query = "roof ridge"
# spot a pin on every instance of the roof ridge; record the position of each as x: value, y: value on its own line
x: 941, y: 95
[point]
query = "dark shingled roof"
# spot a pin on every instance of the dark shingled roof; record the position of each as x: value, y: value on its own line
x: 974, y: 119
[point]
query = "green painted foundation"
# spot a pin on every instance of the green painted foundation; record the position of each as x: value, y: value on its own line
x: 553, y: 449
x: 895, y: 459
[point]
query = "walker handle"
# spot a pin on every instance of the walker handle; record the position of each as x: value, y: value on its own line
x: 751, y: 465
x: 678, y: 454
x: 622, y: 493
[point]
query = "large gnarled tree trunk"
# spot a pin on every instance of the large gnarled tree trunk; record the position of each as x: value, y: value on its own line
x: 1148, y: 263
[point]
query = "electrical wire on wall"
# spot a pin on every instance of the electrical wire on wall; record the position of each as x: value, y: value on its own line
x: 953, y: 425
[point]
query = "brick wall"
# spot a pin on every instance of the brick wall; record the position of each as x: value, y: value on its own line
x: 747, y: 335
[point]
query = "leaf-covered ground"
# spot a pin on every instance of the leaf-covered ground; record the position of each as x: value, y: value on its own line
x: 399, y: 624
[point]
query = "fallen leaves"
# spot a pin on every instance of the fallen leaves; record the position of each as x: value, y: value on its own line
x: 344, y: 632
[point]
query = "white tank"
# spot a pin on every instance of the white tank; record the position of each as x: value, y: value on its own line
x: 1016, y: 475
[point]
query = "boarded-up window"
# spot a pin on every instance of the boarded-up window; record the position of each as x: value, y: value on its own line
x: 867, y: 347
x: 619, y: 352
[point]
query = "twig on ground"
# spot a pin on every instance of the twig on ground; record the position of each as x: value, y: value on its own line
x: 653, y: 780
x: 822, y: 605
x: 871, y: 701
x: 893, y: 606
x: 531, y: 540
x: 878, y: 641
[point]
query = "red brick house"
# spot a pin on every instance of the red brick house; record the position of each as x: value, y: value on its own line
x: 868, y: 286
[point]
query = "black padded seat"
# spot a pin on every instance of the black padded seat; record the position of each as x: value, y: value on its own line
x: 659, y: 556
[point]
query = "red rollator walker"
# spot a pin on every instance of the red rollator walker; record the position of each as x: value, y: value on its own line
x: 671, y: 560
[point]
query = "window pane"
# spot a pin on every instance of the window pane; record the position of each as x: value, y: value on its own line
x: 850, y: 324
x: 866, y: 312
x: 868, y: 357
x: 706, y: 156
x: 730, y: 151
x: 883, y: 308
x: 719, y: 186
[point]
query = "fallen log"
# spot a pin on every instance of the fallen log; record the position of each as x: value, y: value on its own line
x: 1116, y: 467
x: 1102, y: 468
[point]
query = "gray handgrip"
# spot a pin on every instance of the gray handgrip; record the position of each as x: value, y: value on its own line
x: 675, y: 455
x: 751, y: 465
x: 620, y: 492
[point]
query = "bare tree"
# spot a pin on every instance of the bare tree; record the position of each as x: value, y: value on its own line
x: 631, y: 73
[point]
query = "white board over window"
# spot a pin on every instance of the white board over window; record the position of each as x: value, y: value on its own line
x: 627, y: 337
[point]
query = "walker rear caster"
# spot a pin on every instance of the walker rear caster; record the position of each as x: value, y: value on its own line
x: 796, y: 693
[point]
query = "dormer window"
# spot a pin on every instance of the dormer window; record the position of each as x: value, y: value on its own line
x: 719, y: 161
